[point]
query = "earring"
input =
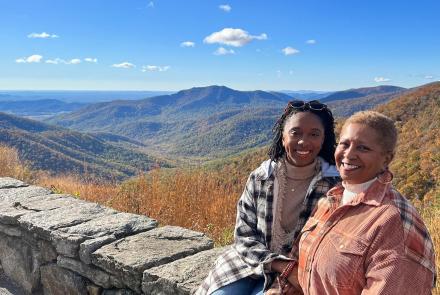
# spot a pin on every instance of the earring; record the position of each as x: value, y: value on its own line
x: 386, y: 176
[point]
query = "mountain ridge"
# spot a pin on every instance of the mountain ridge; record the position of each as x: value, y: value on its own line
x: 59, y: 150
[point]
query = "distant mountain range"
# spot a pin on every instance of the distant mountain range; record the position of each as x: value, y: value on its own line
x: 361, y: 92
x: 76, y: 96
x: 42, y: 107
x: 307, y: 94
x: 204, y: 122
x: 59, y: 150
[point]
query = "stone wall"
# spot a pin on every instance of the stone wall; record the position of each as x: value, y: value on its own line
x: 57, y: 244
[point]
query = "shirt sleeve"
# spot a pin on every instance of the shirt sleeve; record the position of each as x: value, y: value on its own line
x: 249, y: 236
x: 389, y: 269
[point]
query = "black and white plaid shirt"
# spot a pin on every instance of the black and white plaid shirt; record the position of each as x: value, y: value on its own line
x: 250, y: 254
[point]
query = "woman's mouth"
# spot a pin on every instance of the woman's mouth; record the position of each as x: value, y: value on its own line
x: 349, y: 167
x: 303, y: 153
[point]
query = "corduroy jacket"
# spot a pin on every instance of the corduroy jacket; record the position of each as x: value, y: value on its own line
x: 375, y: 244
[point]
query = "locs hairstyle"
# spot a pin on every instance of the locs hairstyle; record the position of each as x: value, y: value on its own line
x: 276, y: 150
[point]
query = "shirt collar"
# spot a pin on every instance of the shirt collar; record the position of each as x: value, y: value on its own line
x: 372, y: 196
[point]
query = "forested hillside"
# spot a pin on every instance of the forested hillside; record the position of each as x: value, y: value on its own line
x: 59, y: 150
x: 417, y: 161
x: 206, y: 123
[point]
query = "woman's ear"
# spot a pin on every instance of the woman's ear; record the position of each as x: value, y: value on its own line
x: 389, y: 156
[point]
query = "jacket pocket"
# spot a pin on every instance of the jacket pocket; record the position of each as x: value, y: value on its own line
x: 341, y: 259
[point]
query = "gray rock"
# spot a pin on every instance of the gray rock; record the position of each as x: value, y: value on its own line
x: 49, y: 225
x: 93, y: 290
x: 10, y: 206
x: 89, y: 246
x: 128, y: 258
x: 7, y: 287
x: 182, y: 276
x: 97, y: 276
x: 47, y: 202
x: 44, y: 223
x: 8, y: 182
x: 9, y: 230
x: 20, y: 261
x: 57, y: 280
x: 47, y: 251
x: 12, y: 195
x: 118, y: 292
x: 107, y: 229
x: 115, y: 223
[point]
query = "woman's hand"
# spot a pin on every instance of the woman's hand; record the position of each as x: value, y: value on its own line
x: 279, y: 265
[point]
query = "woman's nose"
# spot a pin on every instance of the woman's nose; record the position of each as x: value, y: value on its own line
x: 350, y: 152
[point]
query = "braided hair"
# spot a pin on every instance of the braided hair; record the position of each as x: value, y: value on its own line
x: 276, y: 150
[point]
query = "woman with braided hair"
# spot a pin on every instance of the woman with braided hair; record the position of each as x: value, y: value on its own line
x: 277, y: 201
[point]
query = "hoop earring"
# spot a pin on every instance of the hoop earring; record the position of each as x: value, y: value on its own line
x: 385, y: 177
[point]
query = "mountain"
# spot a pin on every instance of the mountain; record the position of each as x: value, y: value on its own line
x: 60, y: 150
x: 417, y: 161
x: 361, y: 92
x: 41, y: 107
x: 206, y: 122
x: 78, y: 96
x: 199, y: 122
x: 307, y: 94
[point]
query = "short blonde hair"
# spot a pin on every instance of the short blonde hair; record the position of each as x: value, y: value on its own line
x: 383, y: 125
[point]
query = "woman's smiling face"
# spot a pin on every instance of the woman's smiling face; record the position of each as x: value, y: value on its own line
x: 360, y: 155
x: 303, y: 135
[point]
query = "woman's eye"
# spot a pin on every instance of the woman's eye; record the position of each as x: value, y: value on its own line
x: 294, y: 132
x: 363, y: 148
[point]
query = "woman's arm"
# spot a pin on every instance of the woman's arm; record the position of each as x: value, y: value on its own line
x: 250, y: 240
x: 389, y: 267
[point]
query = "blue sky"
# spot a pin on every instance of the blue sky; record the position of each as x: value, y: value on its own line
x: 245, y: 45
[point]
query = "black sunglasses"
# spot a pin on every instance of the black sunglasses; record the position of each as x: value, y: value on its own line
x: 311, y: 105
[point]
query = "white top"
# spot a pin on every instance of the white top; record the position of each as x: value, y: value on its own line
x: 351, y: 190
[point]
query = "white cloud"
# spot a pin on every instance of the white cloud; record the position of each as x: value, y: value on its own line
x: 381, y: 79
x: 74, y: 61
x: 232, y: 37
x: 187, y: 44
x: 429, y: 77
x: 223, y: 51
x: 55, y: 61
x: 290, y: 50
x: 30, y: 59
x: 124, y: 65
x: 43, y: 35
x: 89, y: 59
x: 150, y: 68
x: 225, y: 7
x: 311, y: 41
x: 58, y: 60
x: 150, y: 4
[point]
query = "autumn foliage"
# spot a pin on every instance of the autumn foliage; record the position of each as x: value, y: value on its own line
x: 204, y: 198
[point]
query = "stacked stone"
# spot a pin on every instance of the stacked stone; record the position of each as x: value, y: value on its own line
x: 57, y: 244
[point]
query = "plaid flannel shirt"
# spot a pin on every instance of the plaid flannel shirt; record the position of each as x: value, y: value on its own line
x: 375, y: 244
x: 253, y: 230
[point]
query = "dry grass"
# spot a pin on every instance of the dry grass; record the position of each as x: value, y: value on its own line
x: 431, y: 216
x: 202, y: 200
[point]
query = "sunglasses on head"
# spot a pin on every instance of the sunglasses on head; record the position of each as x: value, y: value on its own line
x: 310, y: 105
